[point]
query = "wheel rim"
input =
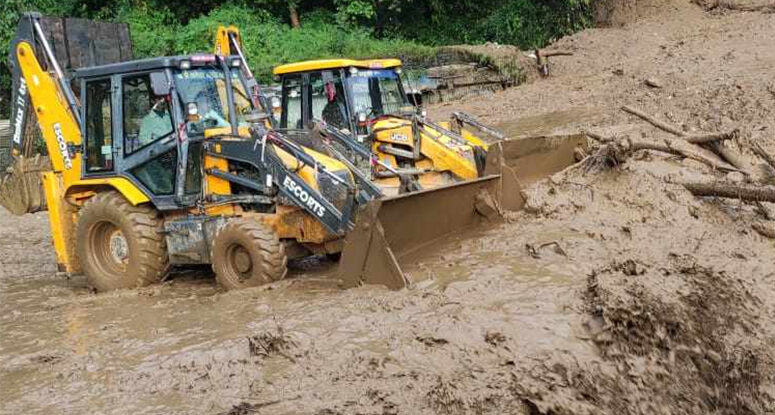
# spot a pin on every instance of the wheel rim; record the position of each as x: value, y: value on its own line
x: 109, y: 248
x: 118, y: 246
x: 239, y: 262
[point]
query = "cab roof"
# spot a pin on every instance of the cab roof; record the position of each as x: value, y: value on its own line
x: 149, y: 64
x: 322, y: 64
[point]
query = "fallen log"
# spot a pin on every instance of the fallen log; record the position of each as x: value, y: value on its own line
x: 653, y: 121
x: 548, y: 53
x: 698, y: 153
x: 597, y: 137
x: 616, y: 152
x: 712, y: 139
x: 764, y: 230
x: 759, y: 151
x: 732, y: 191
x: 763, y: 8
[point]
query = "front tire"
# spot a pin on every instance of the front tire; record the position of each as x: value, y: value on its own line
x: 247, y: 253
x: 120, y: 245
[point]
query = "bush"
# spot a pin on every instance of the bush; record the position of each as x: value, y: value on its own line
x: 153, y: 31
x: 532, y: 24
x: 333, y: 28
x: 269, y: 42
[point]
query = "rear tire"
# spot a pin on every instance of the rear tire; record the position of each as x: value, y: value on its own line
x: 120, y: 245
x: 247, y: 253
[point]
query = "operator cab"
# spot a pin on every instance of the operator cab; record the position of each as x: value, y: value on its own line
x: 147, y: 120
x: 347, y: 94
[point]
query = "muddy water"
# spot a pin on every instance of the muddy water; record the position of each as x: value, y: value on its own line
x: 553, y: 122
x: 299, y: 346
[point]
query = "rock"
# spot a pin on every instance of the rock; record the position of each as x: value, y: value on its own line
x: 653, y: 82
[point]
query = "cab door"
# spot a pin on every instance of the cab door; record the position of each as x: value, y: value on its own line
x: 147, y: 137
x: 292, y: 116
x: 98, y: 126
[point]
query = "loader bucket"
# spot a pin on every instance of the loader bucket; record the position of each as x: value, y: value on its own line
x: 537, y: 157
x: 388, y: 230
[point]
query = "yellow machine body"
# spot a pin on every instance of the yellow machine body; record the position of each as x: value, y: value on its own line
x: 442, y: 159
x: 442, y: 152
x: 64, y: 183
x: 66, y: 189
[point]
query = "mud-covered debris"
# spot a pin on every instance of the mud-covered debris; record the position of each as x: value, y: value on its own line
x: 630, y: 267
x: 271, y: 343
x: 534, y: 250
x: 653, y: 82
x: 431, y: 341
x: 446, y: 397
x: 494, y: 338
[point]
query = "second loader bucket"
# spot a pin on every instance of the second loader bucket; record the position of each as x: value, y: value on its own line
x: 389, y: 229
x: 536, y: 157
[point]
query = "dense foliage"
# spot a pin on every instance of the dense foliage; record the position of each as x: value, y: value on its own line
x: 280, y: 31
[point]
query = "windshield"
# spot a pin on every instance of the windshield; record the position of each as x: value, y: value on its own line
x: 377, y: 92
x: 204, y: 95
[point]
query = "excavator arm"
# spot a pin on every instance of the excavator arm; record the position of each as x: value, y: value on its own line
x: 228, y: 41
x: 41, y: 92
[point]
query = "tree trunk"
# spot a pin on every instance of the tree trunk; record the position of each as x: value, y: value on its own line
x: 710, y: 140
x: 294, y: 14
x: 756, y: 193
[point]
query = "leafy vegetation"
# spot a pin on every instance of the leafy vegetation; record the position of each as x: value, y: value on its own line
x: 281, y: 31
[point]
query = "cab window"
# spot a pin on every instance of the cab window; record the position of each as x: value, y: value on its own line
x: 291, y: 106
x: 326, y: 95
x: 99, y: 136
x: 203, y: 92
x: 376, y: 92
x: 147, y: 117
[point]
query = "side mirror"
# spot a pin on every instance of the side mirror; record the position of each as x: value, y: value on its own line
x: 160, y: 84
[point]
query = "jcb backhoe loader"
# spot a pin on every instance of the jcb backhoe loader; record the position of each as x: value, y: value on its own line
x: 366, y: 101
x: 429, y: 175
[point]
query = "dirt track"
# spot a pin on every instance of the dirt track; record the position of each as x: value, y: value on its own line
x: 654, y: 302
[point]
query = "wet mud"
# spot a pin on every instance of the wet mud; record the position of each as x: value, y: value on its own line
x: 301, y: 346
x: 614, y: 291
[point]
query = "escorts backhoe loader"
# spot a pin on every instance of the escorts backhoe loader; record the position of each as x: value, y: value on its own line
x: 158, y: 162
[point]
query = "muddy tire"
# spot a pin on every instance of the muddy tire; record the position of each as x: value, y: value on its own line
x: 247, y: 253
x: 120, y: 245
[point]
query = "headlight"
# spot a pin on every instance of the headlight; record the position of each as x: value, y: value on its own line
x: 185, y: 65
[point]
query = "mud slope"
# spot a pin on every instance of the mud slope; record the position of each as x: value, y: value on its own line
x: 615, y: 292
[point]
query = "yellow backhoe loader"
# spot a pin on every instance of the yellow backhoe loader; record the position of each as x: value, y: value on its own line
x: 171, y: 160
